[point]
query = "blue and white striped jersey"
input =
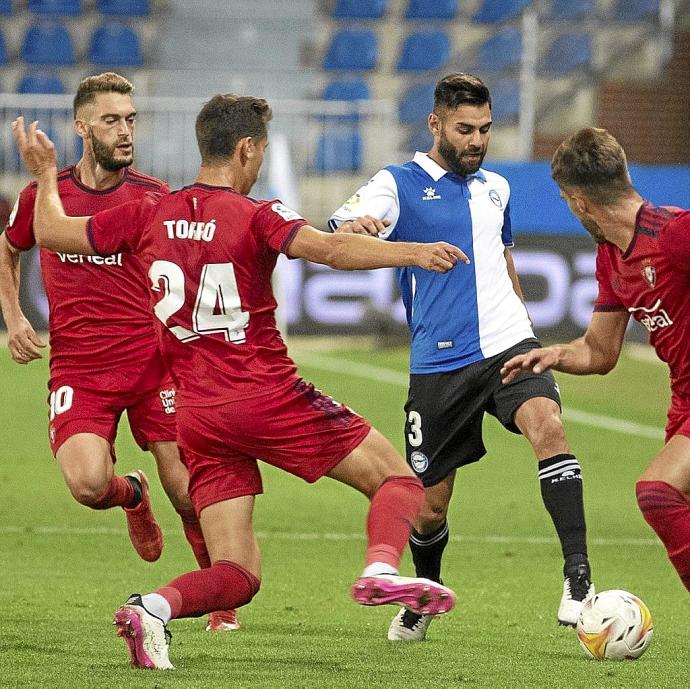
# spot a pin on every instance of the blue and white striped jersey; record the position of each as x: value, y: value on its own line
x: 472, y: 312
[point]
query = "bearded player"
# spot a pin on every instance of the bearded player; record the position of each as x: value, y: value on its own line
x: 104, y: 357
x: 643, y: 271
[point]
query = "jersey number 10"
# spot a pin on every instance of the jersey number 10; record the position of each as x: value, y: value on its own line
x: 217, y: 308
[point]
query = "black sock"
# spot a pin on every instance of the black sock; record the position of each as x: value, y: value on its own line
x: 138, y: 491
x: 427, y: 551
x: 561, y: 490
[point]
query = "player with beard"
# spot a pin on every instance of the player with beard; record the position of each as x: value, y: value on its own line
x: 104, y: 357
x: 643, y: 271
x: 465, y: 325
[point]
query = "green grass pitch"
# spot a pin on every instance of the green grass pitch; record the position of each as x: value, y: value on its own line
x: 65, y: 568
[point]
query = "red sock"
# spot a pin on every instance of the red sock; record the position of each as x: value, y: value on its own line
x: 666, y: 510
x: 393, y: 510
x: 118, y: 493
x: 195, y: 537
x: 222, y: 586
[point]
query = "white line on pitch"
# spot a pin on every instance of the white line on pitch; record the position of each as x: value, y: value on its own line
x: 392, y: 377
x: 316, y: 536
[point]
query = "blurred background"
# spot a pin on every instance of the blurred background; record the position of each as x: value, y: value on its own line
x: 351, y: 83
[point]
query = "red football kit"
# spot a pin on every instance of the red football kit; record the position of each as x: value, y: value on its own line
x: 210, y: 253
x: 104, y: 356
x: 651, y: 281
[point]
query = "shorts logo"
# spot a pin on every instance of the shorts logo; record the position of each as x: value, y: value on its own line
x: 167, y: 398
x: 495, y: 198
x: 419, y: 462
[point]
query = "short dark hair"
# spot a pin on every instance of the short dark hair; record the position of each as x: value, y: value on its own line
x: 226, y: 119
x: 459, y: 89
x: 107, y: 82
x: 593, y: 161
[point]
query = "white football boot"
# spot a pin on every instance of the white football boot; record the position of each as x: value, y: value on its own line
x: 409, y: 626
x: 577, y: 588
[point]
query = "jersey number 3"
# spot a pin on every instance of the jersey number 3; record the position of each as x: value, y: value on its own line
x: 217, y: 308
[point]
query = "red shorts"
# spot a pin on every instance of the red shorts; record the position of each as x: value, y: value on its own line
x: 151, y: 413
x: 678, y: 417
x: 297, y: 429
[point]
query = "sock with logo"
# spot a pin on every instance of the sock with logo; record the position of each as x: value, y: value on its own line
x: 427, y: 551
x: 561, y: 490
x: 666, y: 510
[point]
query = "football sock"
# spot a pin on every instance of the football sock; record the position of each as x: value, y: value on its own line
x: 222, y: 586
x: 195, y: 537
x: 427, y: 551
x: 376, y: 568
x: 393, y: 509
x: 120, y: 492
x: 666, y: 510
x: 561, y: 491
x: 155, y: 604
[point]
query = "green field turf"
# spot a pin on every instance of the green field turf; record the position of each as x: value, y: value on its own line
x: 65, y: 568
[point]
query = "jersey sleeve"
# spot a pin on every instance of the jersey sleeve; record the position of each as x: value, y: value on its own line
x: 20, y: 226
x: 275, y: 224
x: 507, y: 229
x: 675, y: 240
x: 119, y: 228
x: 378, y: 198
x: 606, y: 300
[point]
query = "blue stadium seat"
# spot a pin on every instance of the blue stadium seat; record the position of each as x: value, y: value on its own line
x: 353, y: 49
x: 494, y: 12
x: 352, y: 89
x: 419, y: 139
x: 115, y: 44
x: 60, y: 8
x: 3, y: 50
x: 571, y: 9
x: 40, y: 82
x: 124, y: 8
x: 568, y: 52
x: 47, y: 43
x: 6, y: 7
x: 424, y: 9
x: 424, y: 50
x: 505, y: 100
x: 360, y: 9
x: 339, y: 151
x: 416, y: 103
x: 500, y: 51
x: 635, y: 10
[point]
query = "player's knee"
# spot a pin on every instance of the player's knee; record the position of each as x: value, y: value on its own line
x: 432, y: 515
x: 547, y: 435
x: 87, y: 493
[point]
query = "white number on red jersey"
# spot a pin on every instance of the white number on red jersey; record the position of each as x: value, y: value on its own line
x: 217, y: 308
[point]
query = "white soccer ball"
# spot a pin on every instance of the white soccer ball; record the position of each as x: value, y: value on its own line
x: 614, y: 625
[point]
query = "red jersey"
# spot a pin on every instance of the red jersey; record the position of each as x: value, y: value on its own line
x: 210, y: 253
x: 651, y: 281
x: 101, y: 330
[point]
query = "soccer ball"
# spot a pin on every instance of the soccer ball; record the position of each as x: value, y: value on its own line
x: 614, y: 625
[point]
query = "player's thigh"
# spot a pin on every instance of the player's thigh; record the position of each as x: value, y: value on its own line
x: 672, y: 464
x: 229, y: 532
x: 443, y: 422
x: 151, y: 414
x: 370, y: 464
x: 86, y: 463
x: 172, y: 472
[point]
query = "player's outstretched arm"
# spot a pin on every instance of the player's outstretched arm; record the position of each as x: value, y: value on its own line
x: 597, y: 351
x: 52, y: 228
x: 344, y: 251
x: 22, y: 342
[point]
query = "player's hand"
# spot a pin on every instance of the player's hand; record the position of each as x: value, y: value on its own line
x: 23, y: 343
x: 439, y: 257
x: 35, y: 148
x: 365, y: 224
x: 534, y: 361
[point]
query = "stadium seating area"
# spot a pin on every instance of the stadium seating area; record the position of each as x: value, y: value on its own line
x: 397, y: 49
x: 46, y: 46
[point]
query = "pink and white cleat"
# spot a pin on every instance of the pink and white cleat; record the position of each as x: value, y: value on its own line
x: 421, y: 596
x: 145, y: 635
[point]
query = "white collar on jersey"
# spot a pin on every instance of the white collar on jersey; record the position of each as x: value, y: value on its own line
x: 435, y: 171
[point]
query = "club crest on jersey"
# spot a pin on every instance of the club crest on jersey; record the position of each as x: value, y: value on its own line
x: 419, y: 462
x: 495, y: 198
x: 430, y: 194
x: 649, y: 273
